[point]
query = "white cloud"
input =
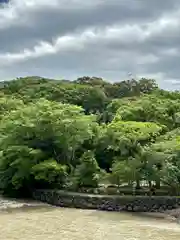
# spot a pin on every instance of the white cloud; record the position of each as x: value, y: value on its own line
x: 98, y: 37
x: 127, y: 34
x: 18, y: 11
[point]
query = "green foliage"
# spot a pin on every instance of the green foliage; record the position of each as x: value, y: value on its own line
x: 56, y: 133
x: 87, y: 173
x: 119, y: 173
x: 127, y: 171
x: 147, y: 108
x: 134, y: 131
x: 58, y: 129
x: 8, y: 104
x: 150, y: 109
x: 92, y: 99
x: 161, y: 160
x: 92, y: 93
x: 50, y: 172
x: 123, y: 140
x: 16, y: 163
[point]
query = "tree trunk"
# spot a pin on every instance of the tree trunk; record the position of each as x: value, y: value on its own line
x: 150, y: 184
x: 138, y: 184
x: 158, y: 184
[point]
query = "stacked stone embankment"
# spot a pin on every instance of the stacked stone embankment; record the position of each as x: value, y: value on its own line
x: 108, y: 202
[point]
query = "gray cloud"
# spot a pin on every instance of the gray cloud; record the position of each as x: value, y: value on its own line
x: 107, y: 38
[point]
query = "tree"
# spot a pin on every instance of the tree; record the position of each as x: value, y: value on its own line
x: 9, y: 103
x: 93, y: 81
x: 87, y: 174
x: 91, y: 97
x: 126, y: 171
x: 150, y: 109
x: 50, y: 174
x: 161, y: 160
x: 171, y: 176
x: 147, y: 85
x: 124, y: 139
x: 16, y: 163
x: 57, y: 130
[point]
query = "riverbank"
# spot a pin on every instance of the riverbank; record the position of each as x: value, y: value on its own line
x: 8, y: 204
x: 157, y: 206
x: 167, y: 208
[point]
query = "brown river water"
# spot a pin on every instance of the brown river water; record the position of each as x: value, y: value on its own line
x: 39, y: 222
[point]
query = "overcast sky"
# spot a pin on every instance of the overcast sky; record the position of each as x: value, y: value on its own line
x: 106, y: 38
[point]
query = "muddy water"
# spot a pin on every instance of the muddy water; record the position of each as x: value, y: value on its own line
x: 45, y: 222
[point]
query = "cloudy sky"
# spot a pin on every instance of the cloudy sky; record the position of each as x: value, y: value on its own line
x: 106, y: 38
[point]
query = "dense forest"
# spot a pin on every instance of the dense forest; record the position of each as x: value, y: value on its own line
x: 74, y: 134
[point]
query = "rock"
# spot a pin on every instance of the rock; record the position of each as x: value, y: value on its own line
x: 111, y: 203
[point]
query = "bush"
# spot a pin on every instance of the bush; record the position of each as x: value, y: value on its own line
x: 51, y: 173
x: 86, y: 174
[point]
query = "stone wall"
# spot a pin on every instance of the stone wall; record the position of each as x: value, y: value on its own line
x: 107, y: 203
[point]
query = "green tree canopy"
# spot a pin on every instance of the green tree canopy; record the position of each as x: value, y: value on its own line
x: 8, y: 103
x: 87, y: 173
x: 150, y: 109
x: 124, y: 139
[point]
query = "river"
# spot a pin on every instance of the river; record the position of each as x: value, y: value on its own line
x: 39, y: 222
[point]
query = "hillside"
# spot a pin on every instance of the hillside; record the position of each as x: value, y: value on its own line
x: 74, y: 134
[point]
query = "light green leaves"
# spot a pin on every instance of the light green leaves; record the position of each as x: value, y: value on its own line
x: 57, y: 130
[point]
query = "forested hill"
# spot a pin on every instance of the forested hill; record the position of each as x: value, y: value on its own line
x: 73, y: 134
